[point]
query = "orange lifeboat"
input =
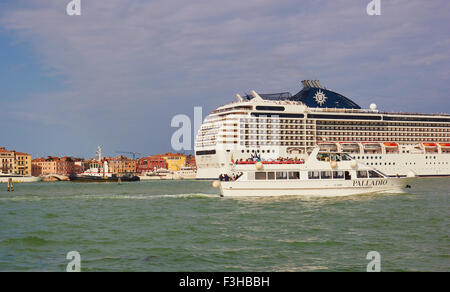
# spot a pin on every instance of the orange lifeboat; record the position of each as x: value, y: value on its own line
x: 390, y: 144
x: 444, y: 145
x: 432, y: 145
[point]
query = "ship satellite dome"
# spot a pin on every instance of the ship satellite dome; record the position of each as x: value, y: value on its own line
x: 333, y: 164
x: 373, y: 107
x: 353, y: 164
x: 259, y: 165
x: 216, y: 184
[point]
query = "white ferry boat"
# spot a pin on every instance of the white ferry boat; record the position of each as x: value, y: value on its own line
x: 186, y: 172
x: 321, y: 174
x: 284, y: 125
x: 158, y: 174
x: 18, y: 178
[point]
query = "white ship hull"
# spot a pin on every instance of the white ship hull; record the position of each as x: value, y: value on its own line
x: 315, y: 188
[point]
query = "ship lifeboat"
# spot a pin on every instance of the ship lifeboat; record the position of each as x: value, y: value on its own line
x: 328, y: 146
x: 349, y: 145
x: 390, y: 144
x: 444, y: 145
x: 430, y: 145
x: 371, y: 145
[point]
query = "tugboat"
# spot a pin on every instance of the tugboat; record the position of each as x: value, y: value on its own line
x: 101, y: 173
x: 323, y: 173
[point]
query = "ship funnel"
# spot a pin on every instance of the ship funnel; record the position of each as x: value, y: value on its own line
x: 239, y: 97
x: 311, y: 83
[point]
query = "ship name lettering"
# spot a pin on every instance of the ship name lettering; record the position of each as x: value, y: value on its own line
x: 367, y: 183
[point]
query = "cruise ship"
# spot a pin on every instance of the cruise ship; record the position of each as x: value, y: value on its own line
x: 285, y: 126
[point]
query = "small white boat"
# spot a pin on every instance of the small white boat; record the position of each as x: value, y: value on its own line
x: 186, y: 173
x: 17, y: 178
x: 322, y: 174
x: 159, y: 174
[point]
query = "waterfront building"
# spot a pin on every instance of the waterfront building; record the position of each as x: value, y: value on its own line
x: 6, y: 161
x: 175, y: 161
x: 151, y: 163
x: 55, y: 165
x: 22, y: 163
x: 190, y: 161
x: 121, y: 165
x: 13, y: 162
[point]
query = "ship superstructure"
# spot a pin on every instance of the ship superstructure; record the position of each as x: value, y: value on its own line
x: 281, y: 125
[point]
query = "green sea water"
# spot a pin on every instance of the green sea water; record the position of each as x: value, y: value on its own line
x: 186, y: 226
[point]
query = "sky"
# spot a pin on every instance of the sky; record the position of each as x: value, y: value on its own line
x: 118, y: 73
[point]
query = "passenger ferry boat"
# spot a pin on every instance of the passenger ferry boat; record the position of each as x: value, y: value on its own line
x: 321, y: 174
x: 284, y: 125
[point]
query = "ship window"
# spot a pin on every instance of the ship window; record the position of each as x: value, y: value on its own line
x: 270, y: 108
x: 294, y: 175
x: 271, y: 175
x: 281, y: 175
x: 338, y: 174
x: 313, y: 175
x: 206, y: 152
x: 325, y: 174
x: 260, y: 175
x: 361, y: 174
x: 374, y: 174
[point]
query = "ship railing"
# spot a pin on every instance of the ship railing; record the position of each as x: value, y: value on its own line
x: 270, y: 162
x: 368, y: 111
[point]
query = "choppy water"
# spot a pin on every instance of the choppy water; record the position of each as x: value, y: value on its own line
x: 186, y: 226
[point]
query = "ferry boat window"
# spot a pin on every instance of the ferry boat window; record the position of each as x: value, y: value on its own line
x: 294, y: 175
x: 260, y: 175
x: 374, y: 174
x: 338, y: 174
x: 361, y: 174
x: 313, y: 174
x: 271, y: 175
x: 325, y: 174
x: 347, y: 176
x: 281, y: 175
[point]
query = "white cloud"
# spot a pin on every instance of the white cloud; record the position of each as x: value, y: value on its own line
x: 127, y: 58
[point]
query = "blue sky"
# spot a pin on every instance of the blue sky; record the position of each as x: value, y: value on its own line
x: 117, y: 74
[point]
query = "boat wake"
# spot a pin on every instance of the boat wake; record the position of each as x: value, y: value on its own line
x: 112, y: 197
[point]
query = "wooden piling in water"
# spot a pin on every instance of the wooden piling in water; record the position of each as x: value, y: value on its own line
x: 10, y: 185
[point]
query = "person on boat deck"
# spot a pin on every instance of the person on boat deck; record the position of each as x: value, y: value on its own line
x: 221, y: 177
